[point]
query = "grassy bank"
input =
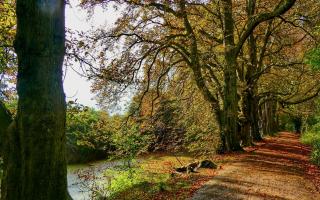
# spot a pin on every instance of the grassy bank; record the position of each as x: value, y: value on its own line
x: 313, y: 139
x: 151, y: 178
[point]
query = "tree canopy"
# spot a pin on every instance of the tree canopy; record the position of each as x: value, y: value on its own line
x: 233, y: 52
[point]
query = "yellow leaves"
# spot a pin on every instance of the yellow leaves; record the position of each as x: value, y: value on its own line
x: 7, y: 34
x: 7, y: 22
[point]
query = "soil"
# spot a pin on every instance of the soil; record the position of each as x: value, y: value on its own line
x: 277, y: 169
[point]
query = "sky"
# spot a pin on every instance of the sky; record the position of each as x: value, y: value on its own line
x: 75, y: 86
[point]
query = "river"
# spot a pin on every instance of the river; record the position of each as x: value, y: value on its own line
x: 78, y: 187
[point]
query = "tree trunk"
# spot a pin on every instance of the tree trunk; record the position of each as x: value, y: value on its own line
x: 254, y: 119
x: 252, y: 68
x: 245, y: 121
x: 268, y: 118
x: 229, y: 124
x: 200, y: 82
x: 297, y: 122
x: 34, y: 160
x: 231, y: 108
x: 5, y: 120
x: 245, y: 133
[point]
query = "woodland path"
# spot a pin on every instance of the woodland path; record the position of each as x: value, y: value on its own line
x: 276, y: 170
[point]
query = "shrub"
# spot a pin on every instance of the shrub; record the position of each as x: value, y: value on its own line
x: 129, y: 142
x: 315, y: 155
x: 313, y: 138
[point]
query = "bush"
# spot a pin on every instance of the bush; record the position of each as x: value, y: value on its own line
x: 129, y: 141
x: 313, y: 138
x: 315, y: 155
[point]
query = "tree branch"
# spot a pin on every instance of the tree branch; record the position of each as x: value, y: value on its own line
x: 254, y: 21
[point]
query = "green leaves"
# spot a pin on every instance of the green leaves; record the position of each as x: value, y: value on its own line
x: 313, y: 58
x: 8, y: 62
x: 88, y: 133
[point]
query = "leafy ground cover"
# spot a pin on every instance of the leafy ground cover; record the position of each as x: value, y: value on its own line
x: 279, y: 168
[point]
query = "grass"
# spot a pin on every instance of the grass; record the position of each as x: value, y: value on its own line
x: 154, y: 179
x: 313, y: 139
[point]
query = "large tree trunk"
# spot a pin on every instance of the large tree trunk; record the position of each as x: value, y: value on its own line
x: 230, y: 79
x: 252, y: 68
x: 245, y: 120
x: 35, y: 164
x: 231, y: 109
x: 5, y: 120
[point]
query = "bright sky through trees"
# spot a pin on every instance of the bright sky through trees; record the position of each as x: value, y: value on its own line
x: 75, y: 86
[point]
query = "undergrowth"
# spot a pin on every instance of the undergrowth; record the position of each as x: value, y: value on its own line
x: 313, y: 138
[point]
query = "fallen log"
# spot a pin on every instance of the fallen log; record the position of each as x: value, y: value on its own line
x: 194, y: 166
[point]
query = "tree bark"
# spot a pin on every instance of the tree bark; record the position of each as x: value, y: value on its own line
x: 268, y: 118
x: 245, y: 120
x: 230, y: 118
x: 250, y: 102
x: 34, y: 160
x: 5, y: 120
x: 254, y: 119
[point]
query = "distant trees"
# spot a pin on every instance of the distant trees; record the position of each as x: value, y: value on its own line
x: 226, y: 47
x: 34, y: 143
x: 89, y: 133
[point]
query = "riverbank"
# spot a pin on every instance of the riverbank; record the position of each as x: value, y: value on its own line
x: 151, y: 177
x: 280, y: 161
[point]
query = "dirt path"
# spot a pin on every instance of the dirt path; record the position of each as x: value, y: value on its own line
x: 276, y: 170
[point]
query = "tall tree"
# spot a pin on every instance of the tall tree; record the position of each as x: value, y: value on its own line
x: 34, y: 149
x: 232, y: 51
x: 203, y: 36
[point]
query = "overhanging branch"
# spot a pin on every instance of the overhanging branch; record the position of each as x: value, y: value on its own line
x: 254, y: 21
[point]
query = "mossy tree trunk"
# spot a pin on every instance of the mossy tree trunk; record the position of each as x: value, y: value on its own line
x: 230, y: 102
x: 252, y: 69
x: 34, y: 155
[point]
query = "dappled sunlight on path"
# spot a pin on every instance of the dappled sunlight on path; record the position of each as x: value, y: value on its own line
x: 275, y: 170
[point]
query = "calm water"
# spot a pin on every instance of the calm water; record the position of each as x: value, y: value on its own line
x: 78, y: 187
